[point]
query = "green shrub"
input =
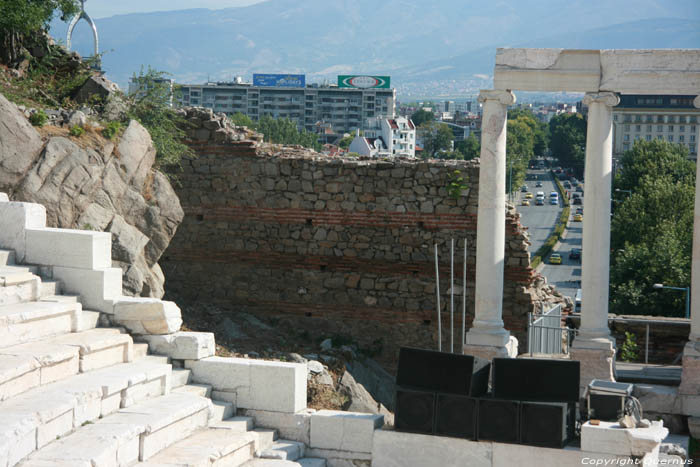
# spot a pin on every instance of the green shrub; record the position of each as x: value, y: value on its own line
x: 628, y: 351
x: 111, y: 130
x: 456, y: 185
x: 77, y: 131
x: 38, y: 118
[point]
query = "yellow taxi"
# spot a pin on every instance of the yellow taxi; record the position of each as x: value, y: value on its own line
x: 578, y: 217
x: 528, y: 195
x: 555, y: 258
x: 525, y: 203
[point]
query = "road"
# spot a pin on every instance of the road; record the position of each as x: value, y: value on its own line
x: 540, y: 221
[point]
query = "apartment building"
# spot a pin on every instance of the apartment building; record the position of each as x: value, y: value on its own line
x: 647, y: 117
x: 344, y: 108
x: 386, y: 137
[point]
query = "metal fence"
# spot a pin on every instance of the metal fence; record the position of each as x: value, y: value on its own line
x: 545, y: 332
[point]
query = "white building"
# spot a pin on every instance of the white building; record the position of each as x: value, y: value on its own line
x: 386, y: 137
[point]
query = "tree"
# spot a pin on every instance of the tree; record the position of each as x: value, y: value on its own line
x: 435, y: 136
x: 567, y: 140
x: 520, y: 143
x: 151, y: 108
x: 20, y: 19
x: 345, y: 141
x: 651, y: 230
x: 284, y: 131
x: 421, y: 116
x: 470, y: 147
x: 241, y: 119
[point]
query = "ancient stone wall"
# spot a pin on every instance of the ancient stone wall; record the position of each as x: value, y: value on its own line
x: 342, y: 246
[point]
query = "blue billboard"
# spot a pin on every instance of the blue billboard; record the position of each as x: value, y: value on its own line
x: 283, y: 81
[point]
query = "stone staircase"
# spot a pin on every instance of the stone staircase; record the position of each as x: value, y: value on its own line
x: 75, y: 394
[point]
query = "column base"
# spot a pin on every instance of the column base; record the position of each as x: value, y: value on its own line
x: 597, y: 357
x: 690, y: 377
x: 488, y: 335
x: 489, y: 352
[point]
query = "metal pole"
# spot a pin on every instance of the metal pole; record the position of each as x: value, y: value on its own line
x: 464, y: 296
x: 646, y: 352
x: 437, y: 288
x: 687, y: 303
x: 510, y: 183
x: 529, y: 332
x: 452, y: 295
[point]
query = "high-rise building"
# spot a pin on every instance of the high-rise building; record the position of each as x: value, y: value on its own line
x: 344, y: 108
x: 648, y: 117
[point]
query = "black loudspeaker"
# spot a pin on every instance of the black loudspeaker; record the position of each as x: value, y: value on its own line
x: 606, y: 407
x: 499, y: 420
x: 443, y: 372
x: 536, y: 379
x: 456, y: 416
x: 546, y: 424
x: 414, y: 411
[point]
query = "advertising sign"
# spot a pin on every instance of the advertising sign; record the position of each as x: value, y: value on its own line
x: 283, y: 81
x: 363, y: 82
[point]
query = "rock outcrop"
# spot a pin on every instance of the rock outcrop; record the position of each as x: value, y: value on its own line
x: 100, y: 186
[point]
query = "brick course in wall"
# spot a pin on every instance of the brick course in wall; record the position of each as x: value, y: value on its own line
x: 338, y: 245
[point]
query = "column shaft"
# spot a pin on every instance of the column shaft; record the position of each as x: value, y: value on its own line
x: 695, y: 272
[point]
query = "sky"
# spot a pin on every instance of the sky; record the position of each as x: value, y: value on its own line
x: 105, y: 8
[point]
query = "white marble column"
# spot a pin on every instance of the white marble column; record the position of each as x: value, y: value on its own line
x: 594, y: 347
x: 487, y: 329
x: 690, y: 378
x: 595, y: 262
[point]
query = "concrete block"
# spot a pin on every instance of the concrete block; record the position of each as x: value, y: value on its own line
x: 183, y: 345
x: 69, y: 248
x: 4, y: 198
x: 344, y: 431
x: 532, y: 456
x: 335, y: 454
x: 97, y: 287
x: 24, y: 322
x: 15, y: 219
x: 284, y: 450
x: 221, y: 410
x: 180, y: 377
x: 147, y: 315
x: 257, y: 384
x: 292, y: 426
x: 398, y: 449
x: 235, y: 424
x: 99, y: 348
x: 610, y: 438
x: 201, y: 390
x: 690, y: 405
x: 658, y: 398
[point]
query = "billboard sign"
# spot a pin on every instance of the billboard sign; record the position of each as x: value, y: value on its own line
x: 363, y: 82
x: 283, y: 81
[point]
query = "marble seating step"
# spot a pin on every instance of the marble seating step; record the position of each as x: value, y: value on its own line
x: 38, y: 416
x: 132, y: 434
x: 7, y: 257
x: 284, y: 449
x: 181, y: 376
x: 32, y: 321
x: 303, y: 462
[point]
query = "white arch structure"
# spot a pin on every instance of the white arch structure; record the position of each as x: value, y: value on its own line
x: 601, y: 75
x: 83, y: 15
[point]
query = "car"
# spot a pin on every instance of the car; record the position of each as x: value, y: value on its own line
x: 576, y: 195
x: 528, y: 195
x: 523, y: 188
x: 555, y: 258
x: 538, y: 184
x: 575, y: 253
x: 578, y: 201
x: 579, y: 210
x: 574, y: 182
x: 539, y: 201
x: 579, y: 190
x: 540, y: 194
x: 578, y: 217
x: 525, y: 202
x: 554, y: 201
x: 567, y: 184
x: 553, y: 194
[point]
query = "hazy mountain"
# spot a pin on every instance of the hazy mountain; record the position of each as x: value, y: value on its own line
x: 403, y: 38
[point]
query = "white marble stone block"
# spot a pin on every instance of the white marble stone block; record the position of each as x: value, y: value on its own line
x: 292, y: 426
x: 69, y: 248
x: 15, y: 219
x: 97, y: 287
x: 344, y: 431
x: 147, y: 315
x: 610, y: 438
x: 183, y: 345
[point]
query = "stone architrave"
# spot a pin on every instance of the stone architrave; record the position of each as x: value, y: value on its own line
x: 487, y: 328
x: 594, y: 347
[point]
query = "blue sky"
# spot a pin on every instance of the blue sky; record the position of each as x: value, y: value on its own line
x: 104, y: 8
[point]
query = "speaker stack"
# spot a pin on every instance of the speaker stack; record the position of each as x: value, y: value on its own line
x: 546, y: 392
x: 437, y: 392
x: 533, y: 400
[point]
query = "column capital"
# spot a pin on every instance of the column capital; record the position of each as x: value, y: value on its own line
x: 504, y: 97
x: 610, y: 99
x: 696, y: 102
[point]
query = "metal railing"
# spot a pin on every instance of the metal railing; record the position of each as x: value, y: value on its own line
x: 545, y: 332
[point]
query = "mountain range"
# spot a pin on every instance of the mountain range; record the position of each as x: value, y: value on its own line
x: 416, y: 42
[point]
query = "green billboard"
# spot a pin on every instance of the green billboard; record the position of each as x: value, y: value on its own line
x: 363, y: 81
